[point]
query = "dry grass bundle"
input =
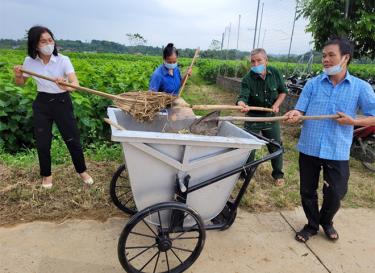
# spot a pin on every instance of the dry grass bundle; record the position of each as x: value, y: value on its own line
x: 142, y: 105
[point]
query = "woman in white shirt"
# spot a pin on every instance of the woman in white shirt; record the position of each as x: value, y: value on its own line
x: 53, y: 102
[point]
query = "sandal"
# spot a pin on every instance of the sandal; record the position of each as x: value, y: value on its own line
x: 304, y: 234
x: 88, y: 180
x: 330, y: 232
x: 279, y: 182
x: 46, y: 185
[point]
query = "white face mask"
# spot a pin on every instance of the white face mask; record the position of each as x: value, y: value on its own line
x: 334, y: 70
x: 47, y: 49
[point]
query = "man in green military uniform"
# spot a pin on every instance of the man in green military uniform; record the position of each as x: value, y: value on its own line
x: 263, y: 86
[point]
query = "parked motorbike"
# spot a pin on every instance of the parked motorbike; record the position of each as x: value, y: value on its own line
x: 363, y: 146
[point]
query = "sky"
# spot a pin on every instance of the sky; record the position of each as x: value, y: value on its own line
x: 188, y: 23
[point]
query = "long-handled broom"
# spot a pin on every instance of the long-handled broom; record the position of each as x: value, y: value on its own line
x: 142, y: 105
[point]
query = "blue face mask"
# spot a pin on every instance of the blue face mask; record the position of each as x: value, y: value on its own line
x: 258, y: 69
x: 170, y: 66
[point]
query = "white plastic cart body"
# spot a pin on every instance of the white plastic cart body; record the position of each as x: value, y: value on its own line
x: 154, y: 158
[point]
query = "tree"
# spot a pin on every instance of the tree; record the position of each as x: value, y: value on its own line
x: 136, y: 39
x: 354, y: 19
x: 215, y: 45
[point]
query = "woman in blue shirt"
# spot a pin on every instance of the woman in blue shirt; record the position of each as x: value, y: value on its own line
x: 167, y: 77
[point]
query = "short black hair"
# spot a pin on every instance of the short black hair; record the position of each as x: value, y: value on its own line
x: 33, y: 37
x: 169, y: 50
x: 345, y: 46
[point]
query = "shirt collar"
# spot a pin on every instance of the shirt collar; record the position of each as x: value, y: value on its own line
x: 53, y: 59
x: 348, y: 77
x: 164, y: 70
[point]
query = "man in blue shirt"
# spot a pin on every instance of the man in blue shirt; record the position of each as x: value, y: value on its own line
x: 325, y: 144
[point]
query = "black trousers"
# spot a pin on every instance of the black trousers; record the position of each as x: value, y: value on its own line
x: 58, y: 108
x: 335, y: 175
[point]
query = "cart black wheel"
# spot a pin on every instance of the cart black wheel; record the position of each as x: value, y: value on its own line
x: 370, y: 151
x: 227, y: 212
x: 166, y: 237
x: 120, y: 191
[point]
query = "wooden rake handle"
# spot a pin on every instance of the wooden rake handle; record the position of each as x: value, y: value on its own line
x: 77, y: 87
x: 187, y: 76
x: 273, y: 119
x: 228, y: 107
